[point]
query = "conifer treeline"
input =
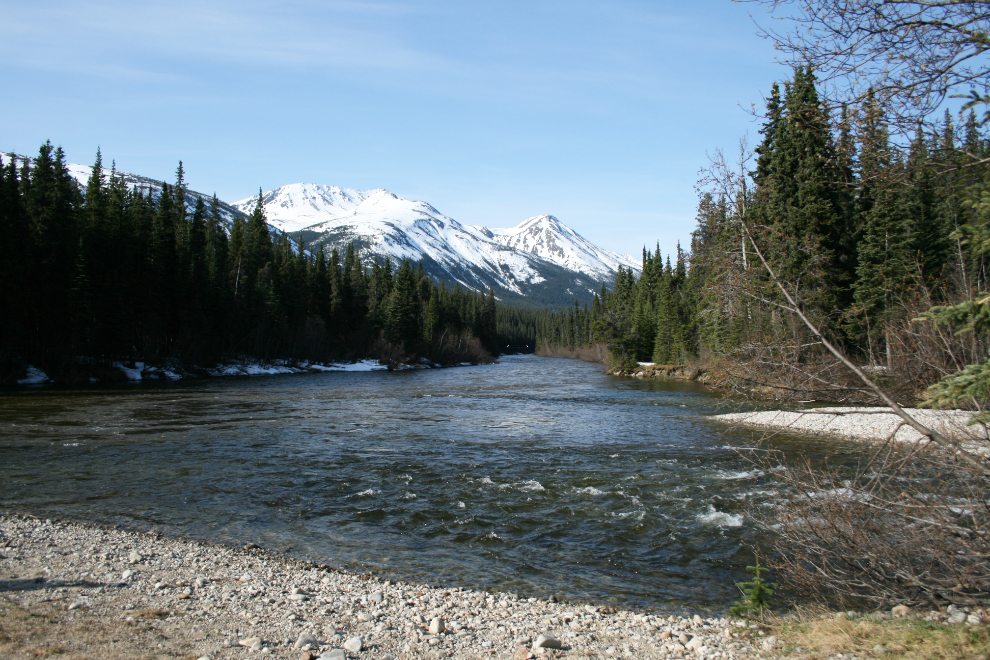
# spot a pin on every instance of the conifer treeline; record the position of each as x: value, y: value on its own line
x: 868, y: 235
x: 114, y: 274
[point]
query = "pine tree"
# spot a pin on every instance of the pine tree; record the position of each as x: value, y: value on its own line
x: 14, y: 264
x: 929, y: 245
x: 799, y: 198
x: 884, y: 269
x: 402, y: 313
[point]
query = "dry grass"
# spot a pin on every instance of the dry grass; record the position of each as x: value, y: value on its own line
x: 46, y: 630
x: 815, y: 635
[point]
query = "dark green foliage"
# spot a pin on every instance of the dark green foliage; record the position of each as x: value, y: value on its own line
x: 858, y: 233
x: 649, y: 319
x: 117, y: 275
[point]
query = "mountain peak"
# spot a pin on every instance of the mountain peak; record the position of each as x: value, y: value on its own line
x: 388, y: 226
x: 548, y: 238
x: 298, y: 205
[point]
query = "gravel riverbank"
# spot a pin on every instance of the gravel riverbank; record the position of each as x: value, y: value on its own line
x: 876, y: 424
x: 86, y: 592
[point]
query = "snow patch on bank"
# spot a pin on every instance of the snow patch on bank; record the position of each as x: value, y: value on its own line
x: 275, y: 368
x: 133, y: 373
x: 34, y: 376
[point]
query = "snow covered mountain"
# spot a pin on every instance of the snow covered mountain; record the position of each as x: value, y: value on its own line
x: 541, y: 260
x: 548, y: 238
x: 301, y: 205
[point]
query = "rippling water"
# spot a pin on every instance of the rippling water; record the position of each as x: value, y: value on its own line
x: 536, y: 475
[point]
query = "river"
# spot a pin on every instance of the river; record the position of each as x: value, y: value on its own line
x: 534, y: 475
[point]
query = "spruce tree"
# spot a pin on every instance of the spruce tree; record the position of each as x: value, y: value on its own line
x: 402, y: 313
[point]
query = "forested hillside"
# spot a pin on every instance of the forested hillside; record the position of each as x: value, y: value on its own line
x: 868, y: 233
x: 108, y: 273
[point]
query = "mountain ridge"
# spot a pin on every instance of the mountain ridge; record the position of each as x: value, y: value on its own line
x: 540, y: 259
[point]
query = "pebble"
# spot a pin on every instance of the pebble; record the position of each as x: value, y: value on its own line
x: 250, y: 641
x: 900, y: 610
x: 126, y: 575
x: 306, y: 638
x: 334, y: 654
x: 437, y: 626
x: 879, y: 649
x: 354, y: 644
x: 134, y: 557
x: 957, y: 617
x: 546, y: 642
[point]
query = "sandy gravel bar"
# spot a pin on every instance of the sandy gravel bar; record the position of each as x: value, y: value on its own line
x: 866, y: 423
x: 79, y: 592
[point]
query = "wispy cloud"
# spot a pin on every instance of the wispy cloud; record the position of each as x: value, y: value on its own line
x: 128, y: 39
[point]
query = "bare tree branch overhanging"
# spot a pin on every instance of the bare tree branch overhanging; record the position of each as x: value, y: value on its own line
x: 976, y: 465
x: 913, y: 53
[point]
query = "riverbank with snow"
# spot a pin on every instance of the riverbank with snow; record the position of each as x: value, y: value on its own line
x: 173, y: 370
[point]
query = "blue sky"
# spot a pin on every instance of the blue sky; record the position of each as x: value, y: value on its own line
x: 600, y: 113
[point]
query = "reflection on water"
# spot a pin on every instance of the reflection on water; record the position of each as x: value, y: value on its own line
x: 537, y: 475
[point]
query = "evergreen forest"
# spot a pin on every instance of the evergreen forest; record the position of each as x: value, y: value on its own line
x: 883, y: 244
x: 111, y: 274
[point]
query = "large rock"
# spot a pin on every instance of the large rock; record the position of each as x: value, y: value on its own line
x: 546, y: 642
x: 354, y: 644
x: 305, y: 638
x: 437, y: 626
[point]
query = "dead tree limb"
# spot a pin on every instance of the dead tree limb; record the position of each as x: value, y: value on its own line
x: 975, y: 464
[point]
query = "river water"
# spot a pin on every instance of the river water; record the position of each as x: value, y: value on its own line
x: 534, y: 475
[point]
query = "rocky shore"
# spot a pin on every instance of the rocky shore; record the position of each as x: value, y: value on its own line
x: 649, y: 370
x: 88, y: 592
x: 873, y: 424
